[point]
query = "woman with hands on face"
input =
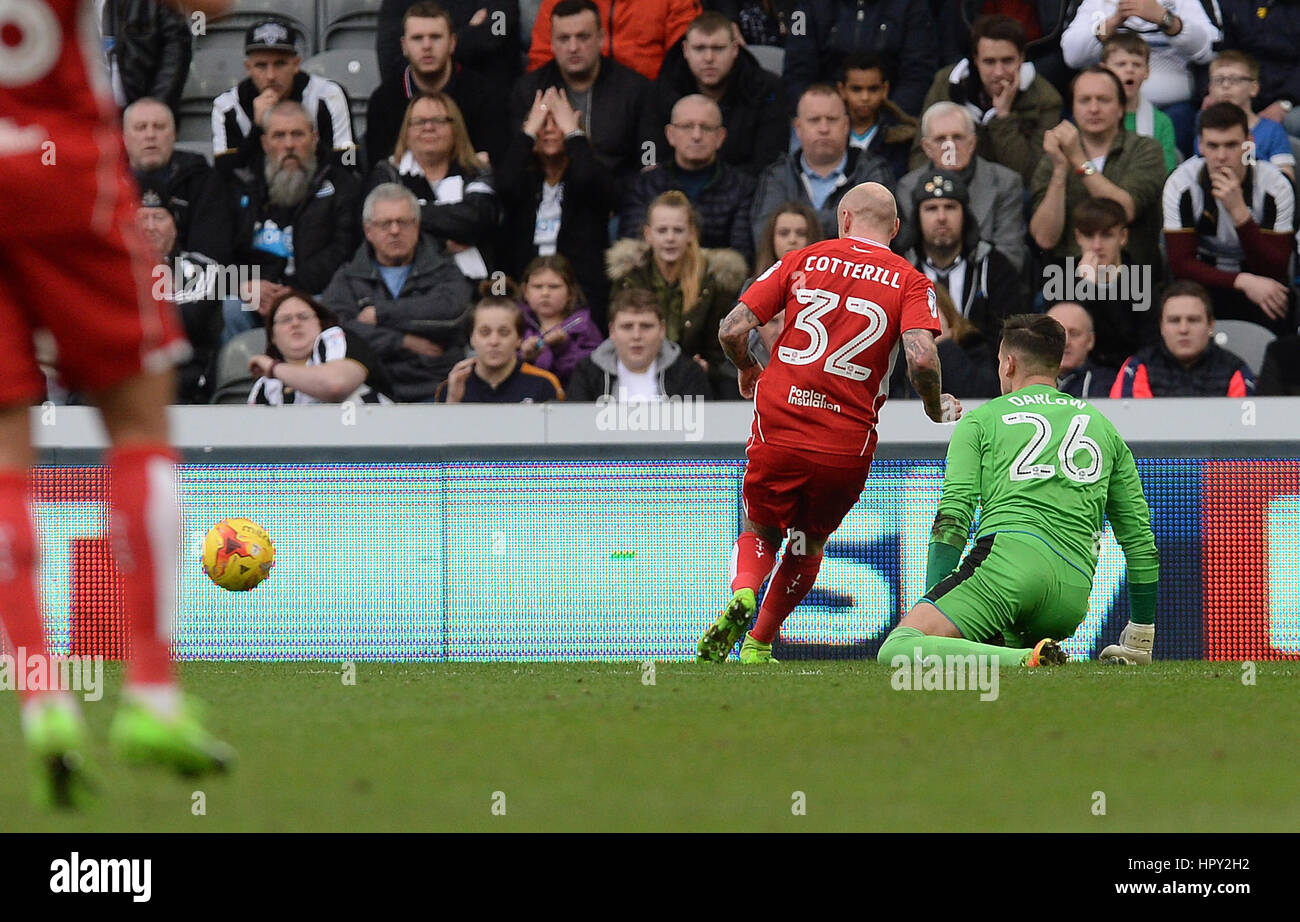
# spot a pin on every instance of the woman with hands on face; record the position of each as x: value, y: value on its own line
x: 558, y: 197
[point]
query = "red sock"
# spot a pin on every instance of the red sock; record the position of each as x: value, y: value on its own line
x: 791, y: 583
x: 752, y: 560
x: 145, y: 533
x: 20, y: 607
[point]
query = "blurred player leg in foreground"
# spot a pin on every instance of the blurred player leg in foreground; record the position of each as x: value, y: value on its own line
x: 1046, y: 470
x: 71, y: 264
x: 52, y: 726
x: 154, y: 724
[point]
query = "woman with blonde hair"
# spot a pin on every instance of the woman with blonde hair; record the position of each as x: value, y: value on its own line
x: 695, y: 287
x: 435, y: 160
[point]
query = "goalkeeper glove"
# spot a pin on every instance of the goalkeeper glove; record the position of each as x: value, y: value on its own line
x: 1134, y: 647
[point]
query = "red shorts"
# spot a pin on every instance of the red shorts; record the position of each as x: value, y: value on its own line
x: 89, y: 283
x: 808, y: 491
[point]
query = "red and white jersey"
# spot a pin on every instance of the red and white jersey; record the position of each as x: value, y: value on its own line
x: 60, y: 149
x: 846, y: 303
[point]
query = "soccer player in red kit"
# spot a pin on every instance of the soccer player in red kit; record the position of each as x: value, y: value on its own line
x: 848, y: 304
x: 72, y: 264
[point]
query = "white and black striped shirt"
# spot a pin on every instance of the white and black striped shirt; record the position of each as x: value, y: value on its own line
x: 1190, y: 206
x: 232, y: 121
x: 331, y: 345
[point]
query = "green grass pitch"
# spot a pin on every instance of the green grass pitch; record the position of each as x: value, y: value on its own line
x: 1173, y: 747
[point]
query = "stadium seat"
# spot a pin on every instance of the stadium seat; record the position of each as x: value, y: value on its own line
x: 354, y: 69
x: 770, y: 57
x: 232, y: 380
x: 347, y: 23
x: 1247, y: 340
x: 195, y: 124
x: 212, y: 72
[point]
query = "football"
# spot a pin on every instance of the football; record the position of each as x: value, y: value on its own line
x: 238, y: 554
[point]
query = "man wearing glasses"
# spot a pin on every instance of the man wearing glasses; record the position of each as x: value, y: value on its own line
x: 721, y: 193
x: 403, y: 295
x: 710, y: 62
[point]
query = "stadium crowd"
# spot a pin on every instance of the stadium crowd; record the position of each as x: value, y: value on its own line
x: 569, y: 211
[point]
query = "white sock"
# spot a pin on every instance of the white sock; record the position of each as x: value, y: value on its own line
x: 163, y: 699
x: 36, y: 704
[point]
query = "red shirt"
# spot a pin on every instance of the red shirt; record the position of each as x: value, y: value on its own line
x: 847, y: 302
x: 60, y: 148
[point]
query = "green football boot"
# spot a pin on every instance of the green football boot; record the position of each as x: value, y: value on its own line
x: 142, y: 737
x: 755, y: 652
x: 61, y: 775
x: 723, y: 634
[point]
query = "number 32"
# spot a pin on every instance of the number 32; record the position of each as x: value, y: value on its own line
x: 820, y: 303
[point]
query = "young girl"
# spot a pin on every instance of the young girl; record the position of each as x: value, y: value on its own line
x: 696, y: 288
x: 558, y: 334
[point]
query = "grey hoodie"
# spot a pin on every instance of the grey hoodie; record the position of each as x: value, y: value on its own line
x: 597, y: 374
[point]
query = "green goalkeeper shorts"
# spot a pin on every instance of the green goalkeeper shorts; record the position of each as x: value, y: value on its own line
x: 1014, y: 587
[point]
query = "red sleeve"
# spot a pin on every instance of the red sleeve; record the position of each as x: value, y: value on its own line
x: 1183, y: 264
x: 1267, y: 253
x: 920, y: 304
x: 1117, y: 388
x: 539, y: 52
x: 1141, y: 383
x: 766, y: 297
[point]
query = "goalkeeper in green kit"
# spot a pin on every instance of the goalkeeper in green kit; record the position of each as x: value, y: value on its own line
x: 1047, y: 467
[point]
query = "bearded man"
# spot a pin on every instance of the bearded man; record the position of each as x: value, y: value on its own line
x: 295, y: 218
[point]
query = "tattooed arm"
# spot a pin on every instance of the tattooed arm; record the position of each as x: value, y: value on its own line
x: 927, y: 377
x: 733, y: 333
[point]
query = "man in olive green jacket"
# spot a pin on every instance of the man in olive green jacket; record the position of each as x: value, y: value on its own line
x: 1011, y: 104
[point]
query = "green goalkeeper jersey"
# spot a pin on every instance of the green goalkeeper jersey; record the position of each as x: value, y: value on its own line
x: 1047, y: 464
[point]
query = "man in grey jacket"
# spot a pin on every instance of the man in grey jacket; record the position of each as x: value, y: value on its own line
x: 403, y: 295
x: 996, y: 193
x: 822, y: 169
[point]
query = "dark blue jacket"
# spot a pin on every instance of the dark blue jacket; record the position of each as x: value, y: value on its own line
x: 1271, y: 40
x: 902, y: 30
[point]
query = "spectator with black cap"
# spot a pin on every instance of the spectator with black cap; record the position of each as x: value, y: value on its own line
x: 273, y: 65
x: 985, y: 286
x: 189, y: 281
